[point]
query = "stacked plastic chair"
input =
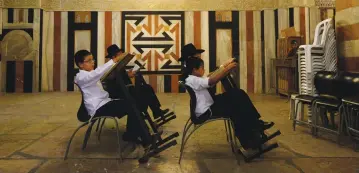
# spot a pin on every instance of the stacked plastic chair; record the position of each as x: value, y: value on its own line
x: 319, y: 56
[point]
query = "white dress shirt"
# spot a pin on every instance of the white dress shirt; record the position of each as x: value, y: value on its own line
x: 199, y: 86
x: 89, y: 82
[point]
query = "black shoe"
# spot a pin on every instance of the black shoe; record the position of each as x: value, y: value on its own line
x: 160, y: 113
x: 255, y: 142
x: 164, y: 112
x: 130, y: 138
x: 266, y: 125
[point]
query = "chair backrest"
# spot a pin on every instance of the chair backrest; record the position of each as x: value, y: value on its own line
x: 82, y: 114
x: 193, y: 103
x: 349, y: 84
x: 325, y: 83
x: 321, y: 32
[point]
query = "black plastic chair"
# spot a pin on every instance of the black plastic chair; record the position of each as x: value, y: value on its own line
x: 328, y: 100
x: 231, y: 138
x: 83, y: 116
x: 350, y: 107
x: 196, y: 123
x: 324, y: 85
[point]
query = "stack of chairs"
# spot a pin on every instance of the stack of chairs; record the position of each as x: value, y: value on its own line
x: 319, y: 56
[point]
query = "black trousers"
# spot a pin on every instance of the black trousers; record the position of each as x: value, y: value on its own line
x: 143, y: 94
x: 236, y: 105
x: 136, y: 126
x: 146, y: 97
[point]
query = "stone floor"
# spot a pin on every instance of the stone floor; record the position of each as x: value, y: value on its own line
x: 35, y: 128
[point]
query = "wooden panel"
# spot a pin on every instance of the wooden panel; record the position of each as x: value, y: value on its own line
x: 108, y: 30
x: 197, y: 29
x: 347, y: 17
x: 64, y: 42
x: 223, y: 16
x: 344, y: 4
x: 223, y: 46
x: 153, y: 81
x: 167, y: 83
x: 205, y: 39
x: 82, y: 17
x: 82, y: 41
x: 323, y: 14
x: 10, y: 15
x: 28, y: 76
x: 57, y: 51
x: 10, y: 76
x: 347, y: 33
x: 302, y: 24
x: 349, y: 64
x: 21, y: 15
x: 348, y: 48
x: 250, y: 52
x: 30, y: 15
x: 19, y: 77
x: 174, y: 83
x: 243, y: 51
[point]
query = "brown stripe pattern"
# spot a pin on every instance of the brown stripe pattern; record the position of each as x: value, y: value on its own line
x: 108, y: 30
x: 345, y: 4
x: 347, y: 28
x: 250, y: 51
x: 197, y: 28
x: 57, y: 51
x: 302, y: 23
x: 19, y: 76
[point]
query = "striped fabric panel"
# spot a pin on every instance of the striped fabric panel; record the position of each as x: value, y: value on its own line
x: 347, y: 23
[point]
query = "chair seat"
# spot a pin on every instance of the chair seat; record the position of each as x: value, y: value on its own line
x: 351, y: 100
x: 328, y: 101
x: 305, y: 98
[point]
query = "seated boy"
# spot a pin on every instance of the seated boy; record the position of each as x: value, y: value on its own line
x: 189, y: 50
x: 145, y: 96
x: 234, y: 104
x: 97, y: 101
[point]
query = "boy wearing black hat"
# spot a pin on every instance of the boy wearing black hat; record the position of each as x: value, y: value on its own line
x: 190, y: 51
x: 146, y: 96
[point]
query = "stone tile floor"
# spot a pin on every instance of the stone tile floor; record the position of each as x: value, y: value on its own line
x: 35, y: 128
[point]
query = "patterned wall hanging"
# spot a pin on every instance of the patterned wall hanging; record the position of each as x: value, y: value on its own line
x: 156, y: 38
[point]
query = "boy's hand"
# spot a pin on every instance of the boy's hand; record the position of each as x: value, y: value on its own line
x: 232, y: 65
x: 131, y: 73
x: 229, y: 61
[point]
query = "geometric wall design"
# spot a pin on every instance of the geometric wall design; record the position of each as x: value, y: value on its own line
x: 156, y: 38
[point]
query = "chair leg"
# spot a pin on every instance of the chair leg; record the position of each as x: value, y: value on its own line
x: 226, y: 128
x: 72, y: 136
x: 118, y: 138
x: 315, y: 118
x: 340, y: 127
x: 332, y: 119
x: 98, y: 124
x: 87, y: 135
x: 99, y: 134
x: 230, y: 135
x: 185, y: 130
x: 295, y: 115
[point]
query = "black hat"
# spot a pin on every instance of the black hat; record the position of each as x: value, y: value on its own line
x: 113, y: 50
x: 189, y: 50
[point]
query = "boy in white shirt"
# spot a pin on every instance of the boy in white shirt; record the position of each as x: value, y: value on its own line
x: 234, y: 104
x: 97, y: 101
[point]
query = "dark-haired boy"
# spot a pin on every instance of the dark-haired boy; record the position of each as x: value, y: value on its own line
x: 97, y: 101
